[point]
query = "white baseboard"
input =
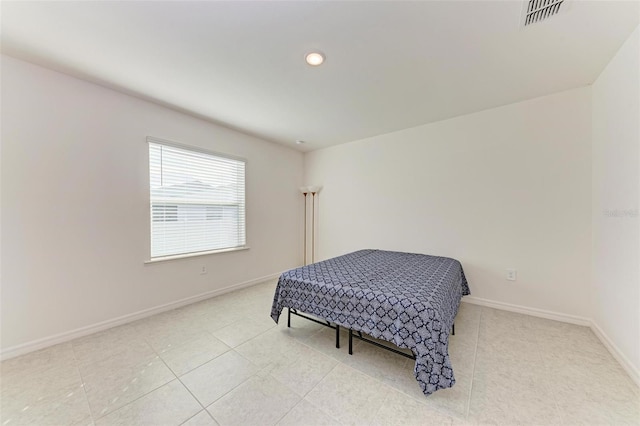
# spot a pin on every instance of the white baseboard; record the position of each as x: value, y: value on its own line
x: 35, y: 345
x: 631, y: 370
x: 624, y: 362
x: 535, y: 312
x: 94, y: 328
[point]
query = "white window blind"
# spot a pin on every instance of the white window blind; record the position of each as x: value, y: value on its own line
x: 197, y: 201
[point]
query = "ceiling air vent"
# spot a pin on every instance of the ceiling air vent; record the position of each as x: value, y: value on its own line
x: 539, y: 10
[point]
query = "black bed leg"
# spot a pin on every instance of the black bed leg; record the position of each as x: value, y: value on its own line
x: 350, y: 342
x: 288, y: 317
x: 453, y: 330
x: 337, y: 336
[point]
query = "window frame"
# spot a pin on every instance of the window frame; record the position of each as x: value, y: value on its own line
x: 197, y: 149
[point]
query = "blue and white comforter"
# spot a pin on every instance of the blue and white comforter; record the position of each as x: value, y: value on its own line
x: 408, y: 299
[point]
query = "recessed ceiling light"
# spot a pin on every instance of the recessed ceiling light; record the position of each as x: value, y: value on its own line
x: 314, y: 58
x: 299, y: 142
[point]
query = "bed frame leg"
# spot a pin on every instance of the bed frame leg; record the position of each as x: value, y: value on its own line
x: 350, y: 342
x: 288, y: 317
x: 453, y: 329
x: 337, y: 336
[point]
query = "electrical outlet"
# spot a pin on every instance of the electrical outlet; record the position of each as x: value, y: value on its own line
x: 512, y: 274
x: 203, y: 270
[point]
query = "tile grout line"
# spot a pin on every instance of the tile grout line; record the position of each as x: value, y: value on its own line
x: 242, y: 343
x: 284, y: 384
x: 307, y: 393
x: 84, y: 391
x: 323, y: 377
x: 436, y: 408
x: 291, y: 409
x: 318, y: 384
x: 231, y: 349
x: 146, y: 393
x: 188, y: 390
x: 135, y: 399
x: 158, y: 356
x: 358, y: 343
x: 287, y: 386
x: 186, y: 343
x: 546, y: 386
x: 557, y: 404
x: 413, y: 397
x: 196, y: 414
x: 178, y: 378
x: 235, y: 387
x: 473, y: 371
x: 384, y: 401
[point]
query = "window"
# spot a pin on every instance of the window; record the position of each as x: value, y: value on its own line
x: 197, y: 201
x: 164, y: 213
x: 214, y: 212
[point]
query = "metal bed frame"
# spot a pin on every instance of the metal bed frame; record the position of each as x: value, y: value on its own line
x: 358, y: 334
x: 336, y: 327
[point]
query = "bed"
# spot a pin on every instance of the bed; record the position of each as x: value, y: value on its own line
x: 408, y: 299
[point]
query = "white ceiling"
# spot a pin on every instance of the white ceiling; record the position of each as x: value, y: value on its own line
x: 390, y: 65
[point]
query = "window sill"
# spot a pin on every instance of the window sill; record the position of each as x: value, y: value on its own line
x: 189, y: 255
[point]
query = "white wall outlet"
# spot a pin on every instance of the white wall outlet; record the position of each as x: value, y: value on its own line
x: 203, y: 270
x: 512, y: 274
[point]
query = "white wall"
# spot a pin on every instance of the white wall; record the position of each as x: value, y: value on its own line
x: 75, y: 214
x: 616, y: 201
x: 504, y: 188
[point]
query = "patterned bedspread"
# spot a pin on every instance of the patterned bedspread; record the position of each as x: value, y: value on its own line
x: 408, y: 299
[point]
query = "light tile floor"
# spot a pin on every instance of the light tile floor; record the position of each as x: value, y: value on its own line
x: 224, y: 361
